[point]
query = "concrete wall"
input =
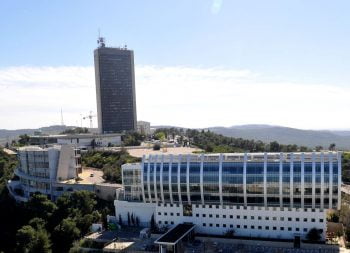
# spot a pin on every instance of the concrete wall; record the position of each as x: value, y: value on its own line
x: 143, y: 211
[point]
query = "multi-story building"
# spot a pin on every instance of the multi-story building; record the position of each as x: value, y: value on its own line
x: 115, y: 89
x: 144, y: 127
x: 268, y: 195
x: 54, y: 171
x: 39, y: 168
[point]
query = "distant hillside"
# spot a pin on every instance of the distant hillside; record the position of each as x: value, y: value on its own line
x: 286, y: 135
x: 9, y: 135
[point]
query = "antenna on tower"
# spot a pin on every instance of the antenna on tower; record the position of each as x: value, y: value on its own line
x: 62, y: 123
x: 100, y: 40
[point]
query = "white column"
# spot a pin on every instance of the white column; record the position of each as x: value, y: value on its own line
x: 170, y: 187
x: 330, y: 155
x: 265, y: 179
x: 339, y: 179
x: 280, y: 180
x: 291, y: 172
x: 313, y: 180
x: 178, y: 178
x: 220, y: 178
x: 201, y: 179
x: 302, y: 185
x: 188, y: 179
x: 155, y: 178
x: 142, y: 181
x: 161, y: 179
x: 245, y: 179
x: 148, y: 178
x: 322, y: 181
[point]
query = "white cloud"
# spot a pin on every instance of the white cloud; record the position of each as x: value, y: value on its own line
x: 182, y: 96
x: 216, y: 6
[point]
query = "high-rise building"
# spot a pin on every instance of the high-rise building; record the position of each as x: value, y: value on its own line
x: 115, y: 89
x: 267, y: 195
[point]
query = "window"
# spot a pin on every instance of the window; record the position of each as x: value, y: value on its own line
x: 313, y: 220
x: 297, y: 219
x: 305, y: 229
x: 266, y: 218
x: 165, y: 214
x: 224, y: 216
x: 321, y: 220
x: 172, y: 223
x: 252, y: 227
x: 267, y: 228
x: 160, y: 222
x: 245, y: 217
x: 289, y: 219
x: 178, y: 214
x: 297, y: 229
x: 289, y: 229
x: 159, y: 213
x: 231, y: 226
x: 238, y: 217
x: 231, y: 216
x: 305, y: 219
x: 217, y: 225
x: 259, y: 227
x: 274, y: 218
x: 245, y: 226
x: 259, y: 217
x: 282, y: 218
x: 224, y: 225
x: 210, y: 225
x: 238, y: 226
x: 252, y: 217
x: 203, y: 215
x: 281, y: 228
x: 274, y: 228
x: 217, y: 216
x: 197, y: 214
x: 204, y: 224
x: 210, y: 216
x: 165, y: 222
x: 171, y: 214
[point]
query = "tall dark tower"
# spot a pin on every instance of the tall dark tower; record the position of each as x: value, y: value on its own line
x: 115, y: 88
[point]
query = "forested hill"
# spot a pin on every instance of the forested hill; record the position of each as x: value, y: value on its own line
x: 286, y: 135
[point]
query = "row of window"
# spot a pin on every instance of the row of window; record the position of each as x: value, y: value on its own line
x: 238, y: 217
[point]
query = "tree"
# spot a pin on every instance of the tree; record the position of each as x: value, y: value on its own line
x: 153, y: 224
x: 40, y: 206
x: 24, y: 139
x: 120, y: 220
x: 318, y: 148
x: 129, y: 221
x: 64, y: 235
x: 132, y: 219
x: 274, y: 146
x: 314, y: 235
x: 229, y: 233
x: 33, y: 240
x: 156, y: 146
x: 160, y: 136
x: 137, y: 221
x: 332, y: 147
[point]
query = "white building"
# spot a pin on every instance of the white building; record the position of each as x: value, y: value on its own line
x: 53, y: 171
x: 144, y: 127
x: 82, y: 141
x: 267, y: 195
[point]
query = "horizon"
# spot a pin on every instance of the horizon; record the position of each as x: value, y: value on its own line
x: 200, y: 63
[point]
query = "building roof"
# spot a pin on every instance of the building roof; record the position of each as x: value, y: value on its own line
x: 175, y: 234
x: 79, y: 136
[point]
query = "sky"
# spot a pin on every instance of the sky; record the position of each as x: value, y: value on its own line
x: 199, y: 63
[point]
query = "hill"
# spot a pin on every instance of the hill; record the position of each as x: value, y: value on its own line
x: 287, y: 135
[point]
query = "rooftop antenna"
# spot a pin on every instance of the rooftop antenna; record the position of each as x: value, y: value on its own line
x: 62, y: 123
x: 101, y: 40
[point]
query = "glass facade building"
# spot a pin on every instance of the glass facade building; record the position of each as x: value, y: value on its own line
x: 115, y: 89
x: 284, y: 180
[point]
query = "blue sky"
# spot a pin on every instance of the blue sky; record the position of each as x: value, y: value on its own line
x: 297, y: 42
